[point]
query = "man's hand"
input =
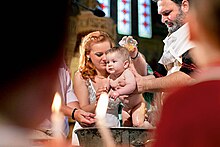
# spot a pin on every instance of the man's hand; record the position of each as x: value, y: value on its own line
x: 141, y: 82
x: 84, y: 118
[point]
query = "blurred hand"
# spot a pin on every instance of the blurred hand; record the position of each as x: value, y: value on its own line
x: 57, y: 143
x: 84, y: 118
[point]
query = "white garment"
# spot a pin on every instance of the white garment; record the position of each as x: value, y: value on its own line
x: 67, y: 95
x: 175, y: 46
x: 111, y: 115
x: 66, y: 89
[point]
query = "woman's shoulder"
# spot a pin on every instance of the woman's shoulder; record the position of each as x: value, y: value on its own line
x: 78, y: 77
x: 77, y: 73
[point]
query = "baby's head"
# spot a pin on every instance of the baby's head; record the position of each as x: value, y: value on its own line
x: 117, y: 59
x: 121, y: 52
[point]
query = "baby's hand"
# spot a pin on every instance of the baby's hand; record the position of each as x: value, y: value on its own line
x: 100, y: 90
x: 113, y: 94
x: 124, y: 99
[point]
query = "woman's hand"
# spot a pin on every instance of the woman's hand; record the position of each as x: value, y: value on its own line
x: 84, y: 118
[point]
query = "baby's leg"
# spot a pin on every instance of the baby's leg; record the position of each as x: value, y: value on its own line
x: 138, y: 114
x: 126, y: 118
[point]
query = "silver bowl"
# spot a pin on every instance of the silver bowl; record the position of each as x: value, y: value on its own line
x: 129, y: 136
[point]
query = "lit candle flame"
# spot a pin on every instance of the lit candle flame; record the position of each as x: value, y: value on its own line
x: 57, y: 117
x: 56, y: 103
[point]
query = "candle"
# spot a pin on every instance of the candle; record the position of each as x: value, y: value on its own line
x: 100, y: 111
x: 57, y: 118
x: 102, y: 105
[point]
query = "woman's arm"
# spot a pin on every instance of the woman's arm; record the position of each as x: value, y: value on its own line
x: 82, y: 93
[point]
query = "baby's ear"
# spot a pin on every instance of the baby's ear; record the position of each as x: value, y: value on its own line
x: 126, y: 64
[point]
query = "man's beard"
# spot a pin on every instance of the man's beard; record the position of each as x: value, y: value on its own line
x: 177, y: 23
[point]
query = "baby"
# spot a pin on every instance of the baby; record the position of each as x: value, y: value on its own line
x: 122, y: 83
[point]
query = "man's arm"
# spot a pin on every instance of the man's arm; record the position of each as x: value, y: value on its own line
x: 163, y: 82
x: 139, y: 63
x: 150, y: 84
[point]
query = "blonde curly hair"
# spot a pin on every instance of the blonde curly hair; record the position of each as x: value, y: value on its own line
x: 86, y: 67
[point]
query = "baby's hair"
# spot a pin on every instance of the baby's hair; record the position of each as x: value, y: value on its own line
x: 120, y: 50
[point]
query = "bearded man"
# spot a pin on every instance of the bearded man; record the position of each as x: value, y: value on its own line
x: 175, y: 65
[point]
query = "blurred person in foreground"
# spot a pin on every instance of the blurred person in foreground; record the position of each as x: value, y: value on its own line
x: 190, y: 115
x: 34, y: 35
x: 70, y: 108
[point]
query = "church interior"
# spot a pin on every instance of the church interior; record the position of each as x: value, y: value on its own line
x: 136, y: 18
x: 117, y: 13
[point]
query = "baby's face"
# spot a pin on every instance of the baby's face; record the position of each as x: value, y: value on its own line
x: 114, y: 63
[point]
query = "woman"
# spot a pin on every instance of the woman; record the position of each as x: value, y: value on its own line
x: 92, y: 74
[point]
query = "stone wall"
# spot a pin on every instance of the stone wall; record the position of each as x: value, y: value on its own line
x: 79, y: 26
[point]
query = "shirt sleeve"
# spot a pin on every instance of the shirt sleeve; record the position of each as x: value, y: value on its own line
x: 160, y: 71
x: 70, y: 95
x: 66, y: 86
x: 187, y: 66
